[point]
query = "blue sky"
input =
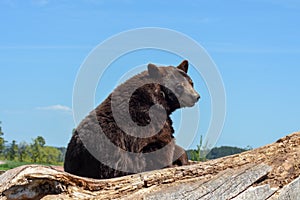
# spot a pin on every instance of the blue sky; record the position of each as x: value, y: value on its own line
x: 254, y: 43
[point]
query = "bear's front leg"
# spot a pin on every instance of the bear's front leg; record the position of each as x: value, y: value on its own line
x: 180, y: 157
x: 158, y: 155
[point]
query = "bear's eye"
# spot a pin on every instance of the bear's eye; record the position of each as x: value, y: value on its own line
x: 191, y: 82
x: 179, y: 88
x: 162, y: 94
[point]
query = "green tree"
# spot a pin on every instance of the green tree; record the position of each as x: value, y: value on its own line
x: 192, y: 155
x: 23, y: 149
x: 201, y: 151
x: 40, y: 140
x: 223, y: 151
x: 12, y: 150
x: 199, y: 154
x: 52, y: 155
x: 36, y: 149
x: 2, y: 146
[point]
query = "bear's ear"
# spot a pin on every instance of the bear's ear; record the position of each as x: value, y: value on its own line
x: 153, y: 71
x: 184, y: 66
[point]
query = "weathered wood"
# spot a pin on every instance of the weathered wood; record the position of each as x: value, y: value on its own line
x: 225, y: 186
x: 291, y: 191
x: 243, y: 176
x: 256, y: 193
x: 33, y: 181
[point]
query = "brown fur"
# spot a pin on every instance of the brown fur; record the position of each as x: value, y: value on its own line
x: 80, y: 161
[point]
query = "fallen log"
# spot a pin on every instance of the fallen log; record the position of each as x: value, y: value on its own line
x: 269, y: 172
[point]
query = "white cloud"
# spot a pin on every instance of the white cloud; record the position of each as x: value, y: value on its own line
x: 56, y: 108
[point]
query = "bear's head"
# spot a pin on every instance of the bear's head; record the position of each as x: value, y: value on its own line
x: 175, y: 88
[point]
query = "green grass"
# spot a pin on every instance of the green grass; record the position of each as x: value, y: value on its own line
x: 12, y: 164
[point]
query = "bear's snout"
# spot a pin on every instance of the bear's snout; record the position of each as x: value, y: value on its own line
x: 197, y: 97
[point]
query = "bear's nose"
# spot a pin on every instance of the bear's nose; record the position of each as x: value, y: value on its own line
x: 197, y: 97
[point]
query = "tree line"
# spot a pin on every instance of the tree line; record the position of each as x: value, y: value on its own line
x: 203, y: 154
x: 38, y: 152
x: 214, y: 153
x: 33, y: 152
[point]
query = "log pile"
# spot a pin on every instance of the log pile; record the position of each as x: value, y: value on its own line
x: 270, y: 172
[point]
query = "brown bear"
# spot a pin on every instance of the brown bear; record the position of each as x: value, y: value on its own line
x: 131, y: 130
